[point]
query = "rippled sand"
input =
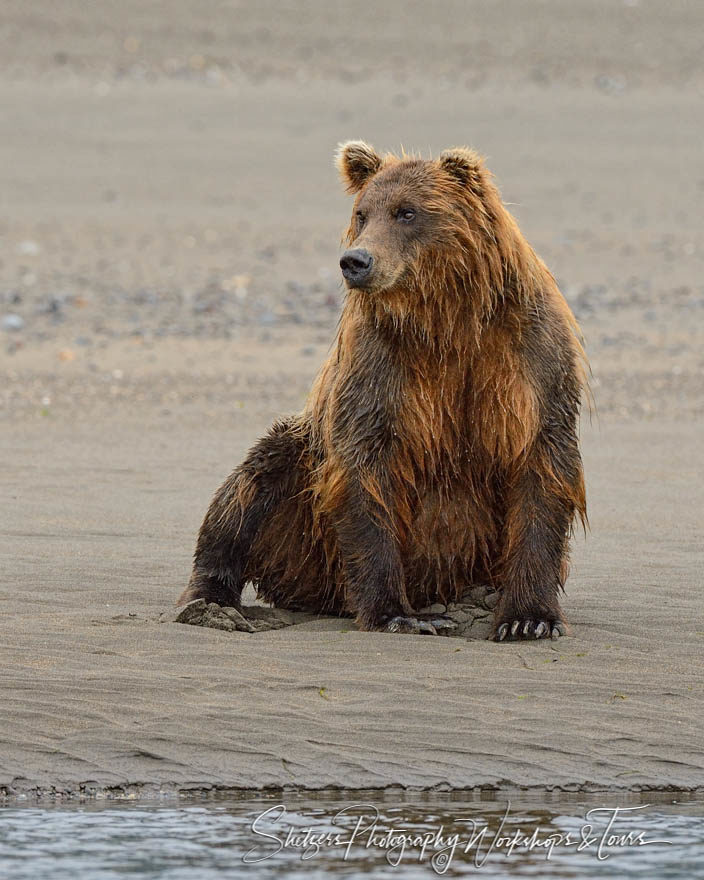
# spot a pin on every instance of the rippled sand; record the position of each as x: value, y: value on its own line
x: 169, y: 285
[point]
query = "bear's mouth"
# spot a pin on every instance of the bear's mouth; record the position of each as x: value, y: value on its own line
x: 378, y: 283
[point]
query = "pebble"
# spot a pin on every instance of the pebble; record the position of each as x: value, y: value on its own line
x: 12, y: 322
x: 28, y: 248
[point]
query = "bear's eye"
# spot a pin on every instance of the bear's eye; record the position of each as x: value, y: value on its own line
x: 406, y: 215
x: 361, y: 219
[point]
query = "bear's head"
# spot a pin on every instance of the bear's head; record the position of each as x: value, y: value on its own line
x: 424, y: 227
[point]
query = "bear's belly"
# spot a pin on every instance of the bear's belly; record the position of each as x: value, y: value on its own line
x: 450, y: 544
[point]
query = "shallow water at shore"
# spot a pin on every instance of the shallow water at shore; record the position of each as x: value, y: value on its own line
x: 354, y: 837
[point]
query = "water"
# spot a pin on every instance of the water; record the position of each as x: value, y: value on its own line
x: 353, y: 836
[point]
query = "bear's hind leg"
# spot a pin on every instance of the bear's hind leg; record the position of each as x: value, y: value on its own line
x: 244, y: 502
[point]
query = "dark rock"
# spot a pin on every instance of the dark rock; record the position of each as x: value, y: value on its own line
x: 491, y: 600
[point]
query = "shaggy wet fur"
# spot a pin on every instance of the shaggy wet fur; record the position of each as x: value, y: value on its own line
x: 438, y: 447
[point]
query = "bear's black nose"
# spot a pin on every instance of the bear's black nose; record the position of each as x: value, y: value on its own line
x: 356, y: 264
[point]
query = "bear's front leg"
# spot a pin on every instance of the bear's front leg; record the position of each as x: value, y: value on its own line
x: 373, y: 571
x: 541, y: 500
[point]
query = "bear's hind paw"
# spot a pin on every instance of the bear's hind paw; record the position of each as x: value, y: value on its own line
x: 432, y: 626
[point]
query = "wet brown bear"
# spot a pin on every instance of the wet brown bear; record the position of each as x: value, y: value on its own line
x: 439, y: 443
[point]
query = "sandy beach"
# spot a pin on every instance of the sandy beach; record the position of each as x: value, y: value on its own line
x: 169, y: 284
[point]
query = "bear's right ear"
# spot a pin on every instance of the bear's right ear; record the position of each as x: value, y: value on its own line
x: 356, y: 162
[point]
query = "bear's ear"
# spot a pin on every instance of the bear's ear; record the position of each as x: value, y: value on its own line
x: 356, y: 162
x: 464, y: 165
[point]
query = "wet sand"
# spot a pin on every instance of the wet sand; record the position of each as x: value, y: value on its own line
x: 169, y: 285
x: 98, y: 694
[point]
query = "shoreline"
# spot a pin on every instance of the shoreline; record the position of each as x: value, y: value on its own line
x: 146, y: 794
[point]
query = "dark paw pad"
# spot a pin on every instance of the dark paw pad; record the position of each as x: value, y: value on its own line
x: 517, y: 630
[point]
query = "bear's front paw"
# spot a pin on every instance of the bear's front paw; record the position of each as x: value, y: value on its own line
x: 432, y: 626
x: 517, y: 629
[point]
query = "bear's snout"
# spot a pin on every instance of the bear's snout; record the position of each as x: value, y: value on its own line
x: 356, y: 265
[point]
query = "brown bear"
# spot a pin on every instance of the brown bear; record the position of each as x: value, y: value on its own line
x: 439, y: 444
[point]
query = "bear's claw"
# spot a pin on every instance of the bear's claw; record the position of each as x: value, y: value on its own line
x: 529, y: 629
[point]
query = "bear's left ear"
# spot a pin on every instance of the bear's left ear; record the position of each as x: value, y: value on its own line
x: 464, y: 165
x: 356, y: 162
